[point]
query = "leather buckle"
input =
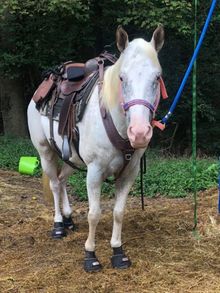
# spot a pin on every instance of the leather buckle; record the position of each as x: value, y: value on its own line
x: 100, y: 61
x: 128, y: 157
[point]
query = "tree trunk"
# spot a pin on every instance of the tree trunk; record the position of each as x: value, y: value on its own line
x: 13, y: 107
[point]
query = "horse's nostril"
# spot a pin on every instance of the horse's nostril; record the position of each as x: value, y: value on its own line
x: 140, y: 133
x: 149, y: 131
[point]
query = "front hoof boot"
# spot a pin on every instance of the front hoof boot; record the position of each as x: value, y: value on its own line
x: 58, y: 231
x: 68, y: 223
x: 119, y: 260
x: 91, y: 263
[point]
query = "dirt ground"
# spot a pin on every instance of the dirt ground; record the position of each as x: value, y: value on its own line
x: 166, y: 256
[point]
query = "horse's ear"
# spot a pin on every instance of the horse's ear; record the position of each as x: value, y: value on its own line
x: 158, y: 38
x: 121, y: 38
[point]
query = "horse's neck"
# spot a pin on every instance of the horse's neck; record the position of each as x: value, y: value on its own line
x: 113, y: 103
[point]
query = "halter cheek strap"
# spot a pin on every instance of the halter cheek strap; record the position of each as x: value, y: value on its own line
x: 164, y: 94
x: 163, y: 89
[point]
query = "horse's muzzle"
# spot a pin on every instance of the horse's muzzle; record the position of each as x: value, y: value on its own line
x: 140, y: 134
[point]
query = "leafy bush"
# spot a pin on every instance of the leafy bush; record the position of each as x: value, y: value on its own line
x: 173, y: 177
x: 165, y: 176
x: 170, y: 177
x: 11, y: 149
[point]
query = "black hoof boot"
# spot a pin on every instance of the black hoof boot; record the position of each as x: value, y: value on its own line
x: 91, y: 263
x: 119, y: 260
x: 58, y: 231
x: 68, y: 223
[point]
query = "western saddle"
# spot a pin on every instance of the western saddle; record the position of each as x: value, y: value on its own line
x: 64, y: 94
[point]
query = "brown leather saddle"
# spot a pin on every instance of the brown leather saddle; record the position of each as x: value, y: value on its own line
x: 70, y: 76
x: 68, y: 88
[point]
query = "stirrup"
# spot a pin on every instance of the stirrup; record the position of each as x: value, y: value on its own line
x: 66, y: 152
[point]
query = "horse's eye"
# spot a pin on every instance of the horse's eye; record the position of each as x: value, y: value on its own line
x: 158, y: 77
x: 121, y: 79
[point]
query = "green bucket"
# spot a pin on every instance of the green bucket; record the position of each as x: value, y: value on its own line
x: 28, y: 165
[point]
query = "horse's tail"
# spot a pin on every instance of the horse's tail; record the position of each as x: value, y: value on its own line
x: 47, y: 193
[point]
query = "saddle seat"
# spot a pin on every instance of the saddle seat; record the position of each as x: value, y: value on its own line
x: 76, y: 75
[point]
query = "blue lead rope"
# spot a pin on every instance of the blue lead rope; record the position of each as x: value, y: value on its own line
x: 177, y: 97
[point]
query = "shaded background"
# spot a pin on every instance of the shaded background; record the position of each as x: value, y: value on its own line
x: 36, y: 35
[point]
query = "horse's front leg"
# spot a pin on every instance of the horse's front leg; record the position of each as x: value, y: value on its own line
x: 123, y: 185
x: 94, y: 181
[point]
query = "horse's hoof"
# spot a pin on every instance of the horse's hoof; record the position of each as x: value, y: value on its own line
x: 58, y: 231
x: 91, y: 263
x: 119, y: 260
x: 68, y: 223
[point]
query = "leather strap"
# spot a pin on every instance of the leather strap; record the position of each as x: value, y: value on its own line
x: 52, y: 140
x: 118, y: 142
x: 101, y: 73
x: 109, y: 57
x: 66, y: 122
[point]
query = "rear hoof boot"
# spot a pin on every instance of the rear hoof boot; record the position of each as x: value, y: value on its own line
x: 119, y: 260
x: 68, y: 224
x: 91, y: 263
x: 58, y: 231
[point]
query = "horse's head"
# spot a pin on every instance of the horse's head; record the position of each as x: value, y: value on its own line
x: 140, y: 76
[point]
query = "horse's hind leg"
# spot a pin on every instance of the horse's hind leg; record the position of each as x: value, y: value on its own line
x: 50, y: 167
x: 65, y: 172
x: 48, y: 162
x: 94, y: 180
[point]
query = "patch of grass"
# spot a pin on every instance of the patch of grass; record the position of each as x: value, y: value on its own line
x: 173, y: 176
x: 165, y: 176
x: 11, y: 149
x: 77, y: 183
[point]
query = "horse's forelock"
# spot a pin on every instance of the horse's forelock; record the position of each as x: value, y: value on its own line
x: 145, y: 49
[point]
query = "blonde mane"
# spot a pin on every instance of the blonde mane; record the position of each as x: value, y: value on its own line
x: 111, y: 85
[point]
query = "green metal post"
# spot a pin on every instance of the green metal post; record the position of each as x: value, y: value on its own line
x: 194, y: 130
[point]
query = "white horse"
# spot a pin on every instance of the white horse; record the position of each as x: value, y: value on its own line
x: 129, y: 93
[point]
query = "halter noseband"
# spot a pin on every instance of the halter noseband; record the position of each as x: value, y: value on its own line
x: 129, y: 104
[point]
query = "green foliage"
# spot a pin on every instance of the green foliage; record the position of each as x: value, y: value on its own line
x: 77, y: 183
x: 11, y: 149
x: 172, y: 177
x: 148, y: 14
x: 165, y: 176
x: 37, y: 35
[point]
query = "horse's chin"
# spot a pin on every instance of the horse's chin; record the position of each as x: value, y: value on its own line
x: 137, y: 146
